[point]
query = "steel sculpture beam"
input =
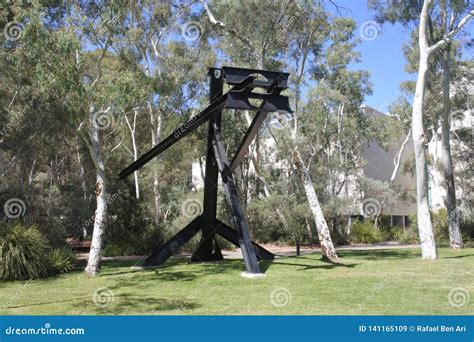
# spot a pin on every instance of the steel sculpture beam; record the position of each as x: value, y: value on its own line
x: 246, y: 85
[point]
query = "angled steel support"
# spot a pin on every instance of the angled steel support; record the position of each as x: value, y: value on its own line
x: 252, y: 131
x: 214, y: 108
x: 243, y: 82
x: 245, y: 243
x: 160, y: 255
x: 232, y: 236
x: 208, y: 249
x: 178, y: 134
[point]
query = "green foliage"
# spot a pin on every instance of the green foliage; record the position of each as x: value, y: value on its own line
x: 406, y: 236
x: 218, y: 289
x: 440, y: 225
x: 467, y: 229
x: 62, y: 260
x: 24, y: 253
x: 278, y: 218
x: 120, y: 249
x: 364, y: 232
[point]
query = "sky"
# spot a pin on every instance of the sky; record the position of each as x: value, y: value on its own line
x: 381, y: 53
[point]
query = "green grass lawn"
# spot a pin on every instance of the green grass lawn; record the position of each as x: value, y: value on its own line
x: 365, y: 282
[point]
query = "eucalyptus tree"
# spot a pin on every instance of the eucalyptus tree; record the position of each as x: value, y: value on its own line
x: 334, y: 128
x: 82, y: 66
x: 288, y: 35
x: 450, y: 24
x: 170, y: 46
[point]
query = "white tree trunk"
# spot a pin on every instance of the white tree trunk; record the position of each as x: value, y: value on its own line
x: 428, y: 246
x: 93, y: 263
x: 396, y: 166
x: 455, y: 236
x: 81, y: 172
x: 327, y: 247
x: 156, y: 124
x: 425, y: 229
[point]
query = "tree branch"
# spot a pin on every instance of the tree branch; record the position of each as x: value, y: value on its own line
x: 220, y: 24
x: 452, y: 33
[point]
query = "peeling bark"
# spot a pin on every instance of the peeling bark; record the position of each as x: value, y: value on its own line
x: 95, y: 253
x: 327, y: 247
x: 455, y: 236
x: 425, y: 229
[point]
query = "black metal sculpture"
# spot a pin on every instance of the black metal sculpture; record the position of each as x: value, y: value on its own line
x: 244, y: 83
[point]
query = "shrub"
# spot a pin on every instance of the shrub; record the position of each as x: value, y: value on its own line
x: 406, y: 236
x: 23, y: 253
x: 440, y: 225
x: 120, y: 249
x: 467, y: 229
x: 364, y: 232
x: 62, y: 260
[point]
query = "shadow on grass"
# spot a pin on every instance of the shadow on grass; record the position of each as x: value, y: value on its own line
x: 380, y: 254
x: 44, y: 303
x: 457, y: 256
x: 182, y: 271
x: 311, y: 267
x: 174, y: 271
x: 132, y: 303
x: 121, y: 304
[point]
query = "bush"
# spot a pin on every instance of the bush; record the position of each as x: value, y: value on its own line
x: 120, y: 249
x: 364, y: 232
x: 440, y: 225
x: 467, y: 229
x: 406, y: 235
x: 23, y: 253
x: 62, y: 260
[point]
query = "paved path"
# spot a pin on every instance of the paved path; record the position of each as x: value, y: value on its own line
x: 286, y: 251
x: 279, y: 251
